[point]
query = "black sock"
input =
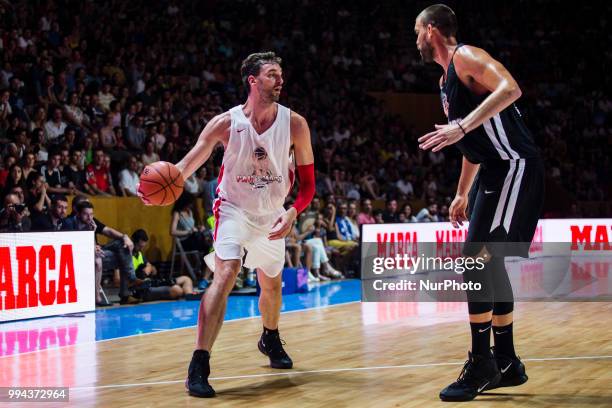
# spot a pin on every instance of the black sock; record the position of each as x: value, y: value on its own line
x: 481, y: 338
x: 269, y: 332
x: 200, y: 364
x: 504, y: 340
x: 201, y: 354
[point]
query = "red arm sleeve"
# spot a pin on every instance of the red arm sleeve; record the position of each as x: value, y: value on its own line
x: 307, y: 187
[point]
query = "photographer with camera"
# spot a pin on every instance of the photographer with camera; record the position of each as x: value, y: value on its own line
x: 155, y: 287
x: 14, y: 217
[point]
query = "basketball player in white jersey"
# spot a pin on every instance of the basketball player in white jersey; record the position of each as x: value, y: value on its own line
x: 254, y: 181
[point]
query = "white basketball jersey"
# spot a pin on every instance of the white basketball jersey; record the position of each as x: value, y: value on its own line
x: 256, y: 175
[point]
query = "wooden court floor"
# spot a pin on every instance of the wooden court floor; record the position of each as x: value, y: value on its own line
x: 357, y: 355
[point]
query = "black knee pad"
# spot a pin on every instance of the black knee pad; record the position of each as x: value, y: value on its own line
x: 479, y: 301
x: 502, y: 289
x: 479, y: 307
x: 502, y: 308
x: 480, y: 280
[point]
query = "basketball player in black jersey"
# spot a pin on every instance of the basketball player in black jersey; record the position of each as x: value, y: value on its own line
x: 505, y: 201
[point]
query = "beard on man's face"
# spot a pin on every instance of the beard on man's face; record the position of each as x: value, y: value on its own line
x: 276, y: 92
x: 272, y: 95
x: 426, y: 52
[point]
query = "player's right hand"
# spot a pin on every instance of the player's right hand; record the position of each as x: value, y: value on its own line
x: 456, y: 212
x: 283, y: 225
x: 141, y: 196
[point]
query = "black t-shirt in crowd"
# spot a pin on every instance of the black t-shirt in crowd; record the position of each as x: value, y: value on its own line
x: 76, y: 176
x: 43, y: 222
x: 31, y: 201
x: 53, y: 179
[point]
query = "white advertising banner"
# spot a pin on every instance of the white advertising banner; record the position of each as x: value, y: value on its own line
x: 45, y: 274
x: 586, y: 234
x: 569, y: 259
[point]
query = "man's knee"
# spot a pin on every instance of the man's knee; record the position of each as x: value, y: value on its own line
x: 226, y: 272
x: 271, y: 285
x: 184, y: 281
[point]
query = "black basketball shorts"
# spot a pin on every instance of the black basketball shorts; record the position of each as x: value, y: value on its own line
x: 505, y: 204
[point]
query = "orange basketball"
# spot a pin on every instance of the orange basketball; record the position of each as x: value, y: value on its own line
x: 161, y: 183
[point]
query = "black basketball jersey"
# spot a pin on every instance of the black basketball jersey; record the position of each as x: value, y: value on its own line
x: 503, y: 137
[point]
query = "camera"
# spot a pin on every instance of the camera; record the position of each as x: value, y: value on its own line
x: 19, y: 208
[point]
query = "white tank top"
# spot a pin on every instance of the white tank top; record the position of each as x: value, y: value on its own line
x: 256, y: 174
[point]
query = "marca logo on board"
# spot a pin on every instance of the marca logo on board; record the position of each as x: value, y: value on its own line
x: 591, y: 237
x: 397, y: 243
x: 33, y: 286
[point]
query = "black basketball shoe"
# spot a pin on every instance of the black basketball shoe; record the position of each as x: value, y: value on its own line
x: 271, y: 345
x: 197, y: 377
x: 511, y: 368
x: 479, y: 373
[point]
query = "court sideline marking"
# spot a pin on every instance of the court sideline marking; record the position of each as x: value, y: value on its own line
x: 328, y: 370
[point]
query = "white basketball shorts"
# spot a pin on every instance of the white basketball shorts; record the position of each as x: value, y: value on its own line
x: 237, y: 231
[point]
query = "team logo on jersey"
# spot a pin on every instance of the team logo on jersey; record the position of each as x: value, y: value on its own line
x: 261, y: 175
x: 444, y: 102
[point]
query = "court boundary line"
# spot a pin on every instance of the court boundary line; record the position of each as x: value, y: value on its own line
x: 325, y: 370
x: 178, y: 328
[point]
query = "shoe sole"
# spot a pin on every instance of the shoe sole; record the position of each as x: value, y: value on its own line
x: 493, y: 384
x: 514, y: 382
x: 272, y: 365
x: 451, y: 399
x: 194, y: 394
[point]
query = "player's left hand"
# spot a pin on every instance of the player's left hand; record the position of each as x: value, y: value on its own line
x: 284, y: 223
x: 443, y: 136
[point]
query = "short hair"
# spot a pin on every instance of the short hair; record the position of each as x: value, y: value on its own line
x: 54, y: 151
x: 79, y: 198
x: 253, y: 63
x: 442, y: 17
x: 76, y: 200
x: 58, y: 197
x: 140, y: 235
x: 83, y: 205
